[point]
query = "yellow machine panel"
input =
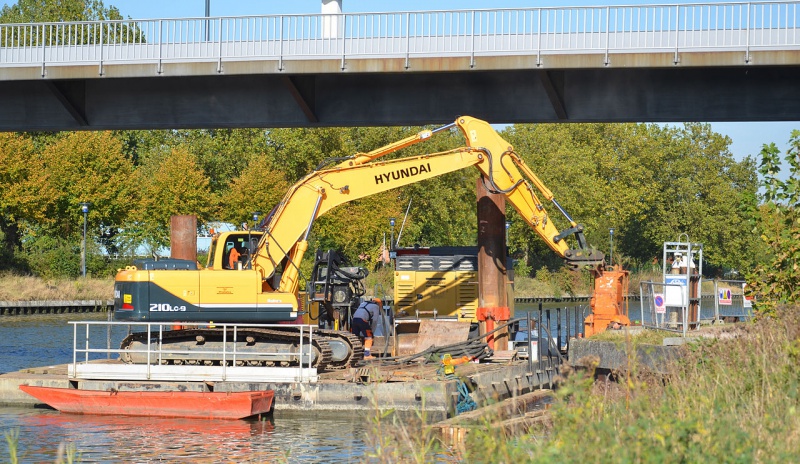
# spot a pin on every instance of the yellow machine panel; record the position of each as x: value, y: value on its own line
x: 441, y: 286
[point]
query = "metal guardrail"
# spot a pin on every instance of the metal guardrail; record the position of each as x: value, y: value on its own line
x: 463, y: 33
x: 735, y: 302
x: 84, y: 350
x: 669, y: 317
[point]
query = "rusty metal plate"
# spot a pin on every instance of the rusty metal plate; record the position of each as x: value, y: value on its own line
x: 440, y: 333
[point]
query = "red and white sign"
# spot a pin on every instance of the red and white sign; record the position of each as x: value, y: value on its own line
x: 660, y: 302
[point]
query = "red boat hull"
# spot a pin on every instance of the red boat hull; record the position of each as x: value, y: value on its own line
x: 207, y: 405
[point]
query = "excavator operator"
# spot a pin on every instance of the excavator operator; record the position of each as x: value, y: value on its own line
x: 367, y: 312
x: 233, y: 256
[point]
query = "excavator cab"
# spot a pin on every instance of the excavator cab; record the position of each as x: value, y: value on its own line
x: 232, y: 250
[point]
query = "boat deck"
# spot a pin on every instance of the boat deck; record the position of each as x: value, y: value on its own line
x: 371, y: 387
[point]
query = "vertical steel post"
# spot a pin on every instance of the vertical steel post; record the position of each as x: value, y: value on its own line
x: 539, y: 338
x: 344, y: 40
x: 219, y: 48
x: 675, y: 60
x: 539, y: 41
x: 528, y: 337
x: 408, y: 38
x: 183, y: 237
x: 160, y: 45
x: 472, y: 54
x: 280, y: 46
x: 558, y: 327
x: 747, y: 45
x: 608, y: 32
x: 208, y: 13
x: 492, y: 301
x: 101, y: 49
x: 611, y: 247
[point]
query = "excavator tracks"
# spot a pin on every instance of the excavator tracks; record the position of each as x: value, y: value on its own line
x: 253, y: 347
x: 356, y: 348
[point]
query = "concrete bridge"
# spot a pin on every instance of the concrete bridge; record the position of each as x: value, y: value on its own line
x: 694, y: 62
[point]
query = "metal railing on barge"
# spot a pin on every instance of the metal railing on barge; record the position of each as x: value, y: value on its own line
x: 87, y: 362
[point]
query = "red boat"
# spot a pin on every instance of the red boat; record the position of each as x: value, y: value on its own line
x: 206, y: 405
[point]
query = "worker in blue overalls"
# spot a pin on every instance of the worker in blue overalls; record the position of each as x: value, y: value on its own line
x: 367, y: 312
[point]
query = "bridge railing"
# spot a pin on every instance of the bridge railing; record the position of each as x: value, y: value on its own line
x: 529, y: 31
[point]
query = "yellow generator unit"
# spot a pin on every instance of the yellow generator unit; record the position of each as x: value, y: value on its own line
x: 438, y: 282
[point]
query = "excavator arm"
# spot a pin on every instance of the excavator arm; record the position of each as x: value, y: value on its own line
x: 286, y: 232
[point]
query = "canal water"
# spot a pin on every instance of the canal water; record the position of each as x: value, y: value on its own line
x: 44, y: 340
x: 32, y: 341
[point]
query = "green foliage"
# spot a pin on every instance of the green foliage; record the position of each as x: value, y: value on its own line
x: 646, y: 181
x: 170, y: 186
x: 29, y: 11
x: 704, y: 410
x: 649, y: 182
x: 775, y: 282
x: 40, y: 11
x: 53, y: 257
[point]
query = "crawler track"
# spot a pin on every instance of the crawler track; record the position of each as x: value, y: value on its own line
x: 253, y: 347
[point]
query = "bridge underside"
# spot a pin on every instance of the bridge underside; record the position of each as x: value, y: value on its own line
x: 368, y: 98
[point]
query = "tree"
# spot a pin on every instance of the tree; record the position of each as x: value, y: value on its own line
x: 170, y: 186
x: 648, y: 182
x: 38, y: 11
x: 775, y: 282
x: 79, y: 167
x: 15, y: 153
x: 259, y: 188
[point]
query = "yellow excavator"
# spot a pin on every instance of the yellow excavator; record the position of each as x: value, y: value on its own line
x: 261, y: 285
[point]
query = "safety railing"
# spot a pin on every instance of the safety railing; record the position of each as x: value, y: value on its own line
x: 730, y: 300
x: 543, y: 336
x: 463, y: 33
x: 225, y: 360
x: 666, y: 309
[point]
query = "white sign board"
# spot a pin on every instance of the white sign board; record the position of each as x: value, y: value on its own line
x: 725, y: 297
x: 673, y: 294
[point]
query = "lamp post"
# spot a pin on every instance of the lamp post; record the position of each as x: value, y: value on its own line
x: 85, y: 211
x: 391, y: 243
x: 611, y: 247
x: 208, y: 13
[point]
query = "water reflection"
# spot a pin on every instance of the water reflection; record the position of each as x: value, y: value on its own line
x: 43, y: 340
x: 287, y: 437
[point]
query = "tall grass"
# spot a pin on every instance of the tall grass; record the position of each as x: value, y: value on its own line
x: 725, y: 400
x: 15, y: 287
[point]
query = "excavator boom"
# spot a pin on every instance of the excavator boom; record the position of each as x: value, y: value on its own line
x: 504, y: 172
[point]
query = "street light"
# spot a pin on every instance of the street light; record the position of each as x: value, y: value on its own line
x: 611, y: 247
x: 391, y: 243
x: 85, y: 211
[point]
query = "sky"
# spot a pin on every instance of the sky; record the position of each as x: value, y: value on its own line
x: 747, y: 137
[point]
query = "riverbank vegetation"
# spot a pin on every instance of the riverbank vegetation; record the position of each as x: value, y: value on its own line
x: 725, y: 400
